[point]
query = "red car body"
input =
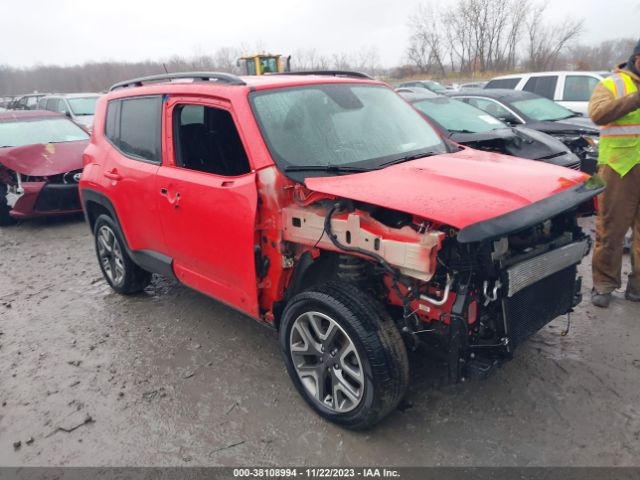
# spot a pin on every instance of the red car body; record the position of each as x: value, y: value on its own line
x: 45, y: 175
x: 248, y: 240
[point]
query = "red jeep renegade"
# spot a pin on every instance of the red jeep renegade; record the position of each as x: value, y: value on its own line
x: 325, y: 206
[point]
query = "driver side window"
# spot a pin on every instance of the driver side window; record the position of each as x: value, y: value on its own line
x: 206, y: 140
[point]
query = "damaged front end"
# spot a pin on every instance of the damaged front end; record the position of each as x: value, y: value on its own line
x: 472, y: 294
x: 41, y: 179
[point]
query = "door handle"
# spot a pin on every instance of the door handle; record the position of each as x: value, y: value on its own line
x: 175, y: 201
x: 113, y: 175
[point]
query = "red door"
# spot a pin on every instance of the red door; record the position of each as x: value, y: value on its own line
x: 208, y: 218
x: 130, y: 169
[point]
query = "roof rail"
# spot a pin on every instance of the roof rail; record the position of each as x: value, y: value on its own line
x: 335, y: 73
x: 220, y: 77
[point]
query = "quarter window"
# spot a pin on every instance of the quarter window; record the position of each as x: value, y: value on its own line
x: 110, y: 130
x: 543, y: 86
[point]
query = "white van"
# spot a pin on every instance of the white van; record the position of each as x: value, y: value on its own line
x: 570, y: 89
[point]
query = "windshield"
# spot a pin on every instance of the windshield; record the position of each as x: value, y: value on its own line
x: 341, y: 125
x: 83, y: 105
x: 542, y: 109
x: 49, y: 130
x: 456, y: 116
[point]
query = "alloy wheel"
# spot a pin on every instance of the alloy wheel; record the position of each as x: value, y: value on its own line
x: 327, y: 362
x: 110, y: 255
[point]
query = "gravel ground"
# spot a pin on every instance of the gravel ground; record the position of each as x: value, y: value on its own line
x: 171, y: 377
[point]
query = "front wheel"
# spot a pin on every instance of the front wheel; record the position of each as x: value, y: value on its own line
x: 118, y: 269
x: 344, y: 354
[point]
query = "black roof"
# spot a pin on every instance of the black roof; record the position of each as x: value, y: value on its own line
x: 494, y: 93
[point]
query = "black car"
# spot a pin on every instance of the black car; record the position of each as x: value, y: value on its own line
x: 516, y: 107
x: 475, y: 128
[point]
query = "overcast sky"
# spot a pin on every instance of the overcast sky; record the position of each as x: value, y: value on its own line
x: 75, y: 31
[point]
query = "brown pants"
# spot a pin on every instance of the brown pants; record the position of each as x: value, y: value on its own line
x: 618, y: 210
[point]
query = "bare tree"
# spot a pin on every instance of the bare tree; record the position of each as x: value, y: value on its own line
x: 602, y: 56
x: 425, y: 49
x: 547, y: 41
x: 486, y: 35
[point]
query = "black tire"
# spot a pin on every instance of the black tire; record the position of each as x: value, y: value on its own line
x: 5, y: 218
x: 131, y: 279
x: 378, y: 343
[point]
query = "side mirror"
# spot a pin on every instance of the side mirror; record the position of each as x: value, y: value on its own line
x: 509, y: 119
x: 67, y: 113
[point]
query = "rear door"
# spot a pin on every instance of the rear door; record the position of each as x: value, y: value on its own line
x: 207, y: 201
x: 133, y: 127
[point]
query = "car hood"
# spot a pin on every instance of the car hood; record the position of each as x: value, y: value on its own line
x: 457, y: 189
x: 84, y: 120
x: 44, y: 159
x: 518, y: 141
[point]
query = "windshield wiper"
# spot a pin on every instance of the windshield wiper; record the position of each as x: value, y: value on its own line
x: 324, y: 168
x: 407, y: 158
x: 460, y: 131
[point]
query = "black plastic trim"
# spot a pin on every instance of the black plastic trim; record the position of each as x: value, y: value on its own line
x: 153, y: 261
x: 531, y: 215
x: 149, y: 260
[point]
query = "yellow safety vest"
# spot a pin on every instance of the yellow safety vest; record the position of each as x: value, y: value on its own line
x: 620, y: 141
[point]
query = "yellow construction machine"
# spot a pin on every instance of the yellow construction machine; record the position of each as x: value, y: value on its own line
x: 262, y: 63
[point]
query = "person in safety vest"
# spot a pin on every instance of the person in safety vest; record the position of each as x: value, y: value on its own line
x: 615, y: 106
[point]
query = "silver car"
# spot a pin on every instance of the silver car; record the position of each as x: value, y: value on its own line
x: 79, y: 107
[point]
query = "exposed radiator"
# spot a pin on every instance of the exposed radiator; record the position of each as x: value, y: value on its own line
x: 526, y: 273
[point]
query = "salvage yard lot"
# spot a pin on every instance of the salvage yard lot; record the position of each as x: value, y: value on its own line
x: 171, y: 377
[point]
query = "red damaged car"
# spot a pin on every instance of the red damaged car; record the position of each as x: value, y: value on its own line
x: 40, y: 164
x: 325, y: 206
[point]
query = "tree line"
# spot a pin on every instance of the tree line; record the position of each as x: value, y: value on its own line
x: 467, y: 38
x: 476, y: 36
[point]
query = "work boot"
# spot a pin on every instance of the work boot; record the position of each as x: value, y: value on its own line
x: 601, y: 300
x: 632, y: 297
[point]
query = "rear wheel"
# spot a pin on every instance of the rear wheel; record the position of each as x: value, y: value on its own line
x: 118, y: 269
x: 344, y: 354
x: 5, y: 218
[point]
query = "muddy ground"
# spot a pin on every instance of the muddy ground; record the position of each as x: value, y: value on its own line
x: 171, y: 377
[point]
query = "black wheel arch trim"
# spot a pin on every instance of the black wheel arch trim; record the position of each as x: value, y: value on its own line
x: 533, y: 214
x: 148, y: 260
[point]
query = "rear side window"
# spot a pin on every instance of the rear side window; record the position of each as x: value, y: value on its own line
x: 543, y: 86
x: 509, y: 83
x: 578, y: 88
x: 133, y: 126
